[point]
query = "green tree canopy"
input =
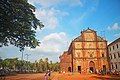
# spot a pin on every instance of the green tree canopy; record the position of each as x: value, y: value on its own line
x: 18, y: 24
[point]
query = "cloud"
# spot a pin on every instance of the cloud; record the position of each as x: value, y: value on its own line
x: 114, y: 27
x: 53, y: 43
x: 49, y: 3
x: 50, y: 17
x: 117, y: 35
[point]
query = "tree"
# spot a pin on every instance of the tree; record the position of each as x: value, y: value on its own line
x: 35, y: 66
x: 41, y: 65
x: 1, y: 63
x: 18, y: 24
x: 46, y: 64
x: 51, y: 65
x: 56, y: 66
x: 6, y: 62
x: 15, y: 62
x: 18, y: 65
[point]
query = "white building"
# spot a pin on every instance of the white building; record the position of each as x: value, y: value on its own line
x: 114, y: 55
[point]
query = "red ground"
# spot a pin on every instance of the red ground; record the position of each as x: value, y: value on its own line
x: 66, y: 76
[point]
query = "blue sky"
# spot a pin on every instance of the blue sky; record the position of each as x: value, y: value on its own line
x: 64, y: 20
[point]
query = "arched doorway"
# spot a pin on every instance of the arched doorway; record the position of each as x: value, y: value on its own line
x: 91, y: 66
x: 69, y: 69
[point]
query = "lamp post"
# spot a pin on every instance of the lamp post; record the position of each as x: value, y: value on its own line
x: 22, y: 61
x: 27, y: 59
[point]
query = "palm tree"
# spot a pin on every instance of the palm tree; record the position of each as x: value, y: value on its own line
x: 46, y: 64
x: 51, y: 65
x: 41, y: 65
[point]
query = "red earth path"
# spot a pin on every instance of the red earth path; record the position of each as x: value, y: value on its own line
x: 66, y: 76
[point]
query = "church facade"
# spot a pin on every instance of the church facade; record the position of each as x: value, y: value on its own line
x: 86, y: 53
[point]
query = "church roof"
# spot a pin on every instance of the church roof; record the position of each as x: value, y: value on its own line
x: 64, y: 53
x: 79, y: 38
x: 116, y: 41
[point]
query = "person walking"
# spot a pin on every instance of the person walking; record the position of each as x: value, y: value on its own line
x: 46, y: 77
x: 49, y: 73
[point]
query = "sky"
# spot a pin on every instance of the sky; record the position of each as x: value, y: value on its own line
x: 64, y: 20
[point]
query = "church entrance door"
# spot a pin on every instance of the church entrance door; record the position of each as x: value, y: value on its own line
x: 79, y: 68
x: 91, y: 66
x: 69, y: 69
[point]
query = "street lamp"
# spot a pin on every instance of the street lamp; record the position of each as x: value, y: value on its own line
x: 27, y: 59
x: 22, y: 61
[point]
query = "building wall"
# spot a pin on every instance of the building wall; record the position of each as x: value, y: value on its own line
x: 114, y: 55
x: 65, y: 62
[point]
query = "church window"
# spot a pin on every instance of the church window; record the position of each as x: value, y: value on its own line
x: 102, y: 55
x: 118, y: 54
x: 117, y: 45
x: 113, y: 47
x: 110, y: 48
x: 116, y: 66
x: 114, y: 56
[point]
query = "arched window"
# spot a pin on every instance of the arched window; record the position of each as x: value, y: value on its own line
x: 102, y: 55
x: 69, y: 69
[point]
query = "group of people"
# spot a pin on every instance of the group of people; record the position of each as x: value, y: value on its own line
x: 47, y: 75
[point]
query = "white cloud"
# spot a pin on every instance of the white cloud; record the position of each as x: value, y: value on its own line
x: 114, y: 27
x: 53, y: 43
x: 50, y: 17
x: 49, y: 3
x: 117, y: 35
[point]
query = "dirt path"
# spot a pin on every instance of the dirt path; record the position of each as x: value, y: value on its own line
x: 77, y: 76
x: 66, y: 76
x: 26, y: 77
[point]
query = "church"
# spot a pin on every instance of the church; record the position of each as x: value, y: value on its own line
x: 86, y: 53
